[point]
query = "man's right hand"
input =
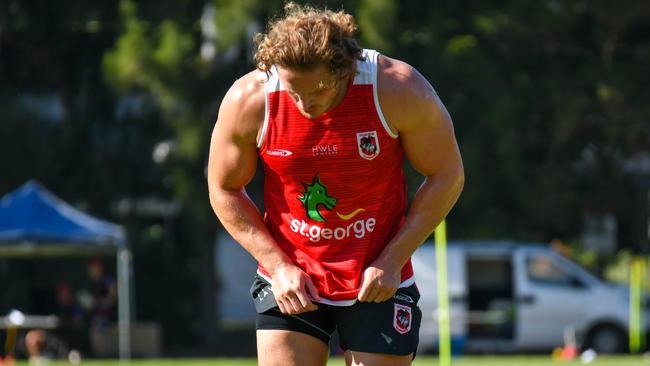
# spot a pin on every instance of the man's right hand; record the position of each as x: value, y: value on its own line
x: 293, y: 290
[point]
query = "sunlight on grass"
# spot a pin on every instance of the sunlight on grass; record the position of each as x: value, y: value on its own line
x: 419, y: 361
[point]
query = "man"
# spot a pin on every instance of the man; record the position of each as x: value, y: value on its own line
x: 331, y: 123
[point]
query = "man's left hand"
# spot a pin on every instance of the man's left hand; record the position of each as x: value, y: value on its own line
x: 379, y: 282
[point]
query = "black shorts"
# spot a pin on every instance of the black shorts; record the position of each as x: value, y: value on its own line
x: 390, y: 327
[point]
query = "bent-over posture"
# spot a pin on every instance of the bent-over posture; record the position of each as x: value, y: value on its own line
x: 331, y: 124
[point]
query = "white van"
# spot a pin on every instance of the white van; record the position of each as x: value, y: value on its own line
x: 511, y: 297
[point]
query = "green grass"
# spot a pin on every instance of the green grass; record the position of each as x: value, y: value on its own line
x: 419, y: 361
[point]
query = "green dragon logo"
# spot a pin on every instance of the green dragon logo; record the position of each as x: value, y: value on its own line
x: 314, y: 196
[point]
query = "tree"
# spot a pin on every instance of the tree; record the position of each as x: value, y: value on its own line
x: 111, y: 104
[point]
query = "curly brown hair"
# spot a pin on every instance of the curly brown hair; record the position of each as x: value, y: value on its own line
x: 307, y: 37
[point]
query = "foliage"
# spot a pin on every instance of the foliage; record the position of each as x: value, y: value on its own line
x: 549, y: 99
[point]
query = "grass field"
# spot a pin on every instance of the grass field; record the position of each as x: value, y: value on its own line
x: 420, y: 361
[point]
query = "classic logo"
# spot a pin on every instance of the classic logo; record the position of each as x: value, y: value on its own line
x: 314, y: 199
x: 402, y: 319
x: 278, y: 152
x: 368, y: 144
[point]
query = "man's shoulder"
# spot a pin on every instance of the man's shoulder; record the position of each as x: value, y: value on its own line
x: 248, y: 91
x: 244, y: 104
x: 403, y: 92
x: 398, y: 77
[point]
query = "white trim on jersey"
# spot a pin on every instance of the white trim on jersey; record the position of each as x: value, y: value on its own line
x: 265, y: 125
x: 270, y: 85
x: 365, y: 69
x: 372, y: 56
x: 406, y: 283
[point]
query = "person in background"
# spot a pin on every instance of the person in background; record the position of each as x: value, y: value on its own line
x: 99, y: 300
x: 71, y: 318
x: 42, y: 347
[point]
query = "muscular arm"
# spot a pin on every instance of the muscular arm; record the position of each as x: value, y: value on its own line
x: 414, y: 110
x: 231, y: 166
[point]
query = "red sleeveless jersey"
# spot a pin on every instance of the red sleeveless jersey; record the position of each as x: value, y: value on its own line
x: 334, y: 191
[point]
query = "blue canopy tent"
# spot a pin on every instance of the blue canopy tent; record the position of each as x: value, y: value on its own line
x: 36, y: 223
